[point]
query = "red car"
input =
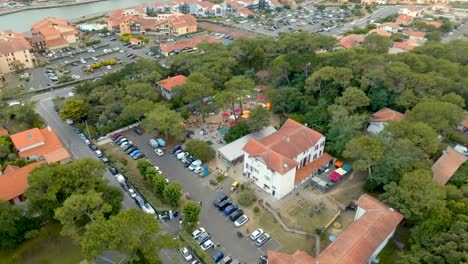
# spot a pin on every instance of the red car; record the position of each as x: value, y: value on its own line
x: 116, y: 136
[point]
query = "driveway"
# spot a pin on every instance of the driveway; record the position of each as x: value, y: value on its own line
x: 219, y: 226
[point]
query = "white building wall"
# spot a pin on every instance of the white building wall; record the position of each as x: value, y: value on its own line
x: 359, y: 212
x: 31, y: 146
x: 384, y: 243
x: 317, y: 150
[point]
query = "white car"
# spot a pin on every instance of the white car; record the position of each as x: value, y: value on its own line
x: 186, y: 253
x: 241, y: 221
x: 98, y: 153
x: 74, y: 76
x: 148, y: 209
x: 159, y: 152
x: 198, y: 232
x: 132, y: 193
x: 198, y: 170
x: 122, y: 51
x: 157, y: 169
x: 83, y: 61
x: 69, y: 121
x: 116, y: 48
x: 94, y: 58
x: 195, y: 164
x: 256, y: 234
x: 182, y: 155
x: 87, y: 142
x: 109, y: 67
x: 207, y: 245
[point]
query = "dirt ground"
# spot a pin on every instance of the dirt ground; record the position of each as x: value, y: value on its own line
x: 236, y: 33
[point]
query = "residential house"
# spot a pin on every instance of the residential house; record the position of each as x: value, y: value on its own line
x: 181, y: 25
x: 463, y: 126
x: 206, y: 9
x: 361, y: 242
x: 435, y: 24
x: 166, y: 85
x: 137, y: 42
x: 399, y: 47
x: 4, y: 132
x: 412, y: 11
x: 185, y: 45
x: 239, y: 8
x: 380, y: 32
x: 350, y: 41
x: 40, y: 144
x: 381, y: 118
x: 390, y: 27
x: 14, y: 182
x: 15, y: 52
x: 446, y: 166
x: 284, y: 160
x: 404, y: 20
x: 415, y: 34
x: 56, y: 33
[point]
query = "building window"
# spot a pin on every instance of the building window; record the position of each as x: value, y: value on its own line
x: 266, y: 186
x: 267, y: 178
x: 255, y: 178
x: 315, y: 156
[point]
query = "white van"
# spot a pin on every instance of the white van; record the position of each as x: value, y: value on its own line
x: 153, y: 143
x: 182, y: 155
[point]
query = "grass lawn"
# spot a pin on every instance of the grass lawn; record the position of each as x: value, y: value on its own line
x: 48, y: 248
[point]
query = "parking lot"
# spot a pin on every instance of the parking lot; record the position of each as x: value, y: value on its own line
x: 222, y: 230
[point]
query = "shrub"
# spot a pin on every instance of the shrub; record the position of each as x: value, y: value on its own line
x: 256, y: 210
x: 246, y: 198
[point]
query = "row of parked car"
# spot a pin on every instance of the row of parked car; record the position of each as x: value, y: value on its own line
x: 127, y: 146
x: 203, y: 238
x: 189, y: 161
x: 223, y: 203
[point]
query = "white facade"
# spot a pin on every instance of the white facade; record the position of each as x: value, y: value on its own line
x: 376, y: 127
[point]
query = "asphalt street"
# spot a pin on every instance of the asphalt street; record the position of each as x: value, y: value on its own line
x: 222, y: 230
x: 79, y: 150
x: 457, y: 34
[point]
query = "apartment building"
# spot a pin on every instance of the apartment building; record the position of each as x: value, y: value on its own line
x: 53, y: 33
x: 15, y: 52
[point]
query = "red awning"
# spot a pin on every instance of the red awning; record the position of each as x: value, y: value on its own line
x: 334, y: 176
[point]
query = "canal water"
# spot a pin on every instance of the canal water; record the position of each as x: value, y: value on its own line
x: 22, y: 21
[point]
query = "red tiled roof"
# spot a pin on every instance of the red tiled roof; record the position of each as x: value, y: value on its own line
x: 380, y: 32
x: 4, y: 132
x: 246, y: 11
x: 436, y: 24
x: 58, y: 42
x: 183, y: 21
x: 391, y: 24
x: 187, y: 44
x: 279, y: 149
x: 299, y: 257
x: 386, y: 114
x: 402, y: 45
x: 11, y: 42
x: 15, y: 181
x: 312, y: 166
x: 405, y: 18
x: 414, y: 33
x: 171, y: 82
x: 350, y: 41
x: 362, y: 238
x: 52, y: 150
x: 447, y: 165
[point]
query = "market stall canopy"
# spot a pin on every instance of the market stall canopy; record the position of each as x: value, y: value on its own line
x: 334, y: 176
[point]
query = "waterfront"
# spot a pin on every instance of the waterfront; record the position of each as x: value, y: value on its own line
x: 22, y: 21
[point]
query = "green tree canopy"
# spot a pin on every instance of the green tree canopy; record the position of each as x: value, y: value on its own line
x: 172, y: 193
x: 366, y: 150
x: 167, y: 122
x: 74, y: 109
x: 197, y: 89
x: 259, y: 118
x: 191, y: 212
x: 200, y: 150
x: 237, y: 131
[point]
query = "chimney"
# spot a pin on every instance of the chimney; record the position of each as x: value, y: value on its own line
x: 286, y: 138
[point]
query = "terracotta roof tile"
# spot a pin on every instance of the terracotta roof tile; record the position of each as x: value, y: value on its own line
x: 4, y: 132
x: 412, y: 33
x: 312, y: 166
x: 362, y: 238
x: 172, y: 82
x: 58, y: 42
x: 11, y: 42
x: 436, y: 24
x: 51, y: 150
x: 380, y: 32
x: 404, y: 18
x: 447, y: 165
x: 402, y: 45
x: 15, y: 181
x: 279, y: 149
x: 299, y: 257
x: 350, y: 41
x: 391, y: 24
x: 386, y: 114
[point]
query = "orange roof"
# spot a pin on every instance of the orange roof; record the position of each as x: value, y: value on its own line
x: 351, y: 41
x: 246, y: 11
x: 15, y: 181
x: 312, y: 166
x: 183, y: 21
x: 447, y: 165
x: 414, y: 33
x: 299, y: 257
x: 436, y: 24
x: 27, y: 138
x: 56, y: 42
x: 390, y: 24
x: 51, y: 149
x: 4, y: 132
x: 402, y: 45
x: 386, y: 114
x: 279, y: 149
x: 187, y: 44
x: 11, y: 42
x: 380, y: 32
x: 172, y: 82
x: 404, y: 18
x: 362, y: 238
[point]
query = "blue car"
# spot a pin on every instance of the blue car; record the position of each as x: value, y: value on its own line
x: 174, y: 149
x: 230, y: 209
x: 133, y: 153
x: 217, y: 256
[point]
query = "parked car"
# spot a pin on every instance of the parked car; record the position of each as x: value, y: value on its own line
x: 113, y: 170
x: 127, y: 147
x: 256, y: 234
x: 136, y: 151
x: 219, y: 200
x: 188, y: 161
x: 198, y: 232
x: 224, y: 204
x: 104, y: 159
x: 98, y: 153
x: 186, y: 254
x: 139, y: 156
x: 92, y: 147
x: 138, y: 131
x: 230, y: 209
x: 121, y: 140
x: 132, y: 193
x: 130, y: 149
x: 174, y: 149
x: 241, y: 221
x: 139, y: 201
x: 234, y: 216
x: 217, y: 256
x: 182, y: 155
x: 262, y: 239
x: 114, y: 137
x: 148, y: 209
x: 202, y: 238
x: 207, y: 245
x: 159, y: 152
x: 226, y: 260
x: 69, y: 122
x: 198, y: 170
x: 195, y: 164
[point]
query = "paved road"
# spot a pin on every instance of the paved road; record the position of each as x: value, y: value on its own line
x: 219, y: 226
x: 457, y: 34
